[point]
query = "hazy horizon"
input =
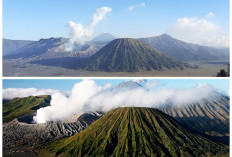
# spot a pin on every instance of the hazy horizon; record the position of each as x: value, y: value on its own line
x: 52, y: 85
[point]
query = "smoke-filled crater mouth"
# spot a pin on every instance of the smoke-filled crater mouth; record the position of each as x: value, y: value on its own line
x: 80, y: 47
x: 28, y: 119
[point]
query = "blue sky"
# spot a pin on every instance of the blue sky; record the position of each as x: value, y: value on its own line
x: 31, y: 19
x: 221, y: 85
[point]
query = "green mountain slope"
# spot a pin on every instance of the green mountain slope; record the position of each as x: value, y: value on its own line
x: 19, y: 107
x: 134, y: 132
x: 130, y: 55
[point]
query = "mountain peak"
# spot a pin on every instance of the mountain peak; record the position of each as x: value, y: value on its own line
x: 130, y: 55
x: 104, y: 37
x: 128, y: 85
x: 135, y: 131
x: 106, y: 34
x: 164, y: 35
x: 129, y: 42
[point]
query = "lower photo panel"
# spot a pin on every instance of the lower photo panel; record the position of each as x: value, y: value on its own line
x: 116, y: 117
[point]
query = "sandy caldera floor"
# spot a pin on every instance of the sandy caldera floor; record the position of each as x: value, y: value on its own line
x: 19, y: 152
x: 12, y: 68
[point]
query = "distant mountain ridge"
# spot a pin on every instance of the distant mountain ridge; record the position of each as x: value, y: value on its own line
x: 9, y: 45
x: 210, y: 116
x: 184, y: 51
x: 55, y: 48
x: 134, y: 131
x: 164, y: 43
x: 37, y: 48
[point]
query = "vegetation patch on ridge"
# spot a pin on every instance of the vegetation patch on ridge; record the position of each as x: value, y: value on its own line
x: 18, y: 107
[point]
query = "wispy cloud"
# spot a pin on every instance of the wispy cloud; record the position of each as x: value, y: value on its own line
x: 140, y: 5
x: 209, y: 15
x: 11, y: 93
x: 200, y: 31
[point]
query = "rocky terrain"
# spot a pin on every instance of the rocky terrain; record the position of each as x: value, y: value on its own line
x: 21, y: 132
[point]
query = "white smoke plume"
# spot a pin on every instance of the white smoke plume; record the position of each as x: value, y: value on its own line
x: 11, y: 93
x: 88, y: 96
x: 79, y: 34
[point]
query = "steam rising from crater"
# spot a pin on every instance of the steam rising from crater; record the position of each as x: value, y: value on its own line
x: 79, y: 34
x: 88, y: 96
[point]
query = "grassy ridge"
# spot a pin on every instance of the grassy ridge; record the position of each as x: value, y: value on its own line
x: 134, y: 132
x: 24, y: 106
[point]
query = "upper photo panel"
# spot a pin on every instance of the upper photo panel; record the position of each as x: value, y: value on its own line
x: 116, y: 38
